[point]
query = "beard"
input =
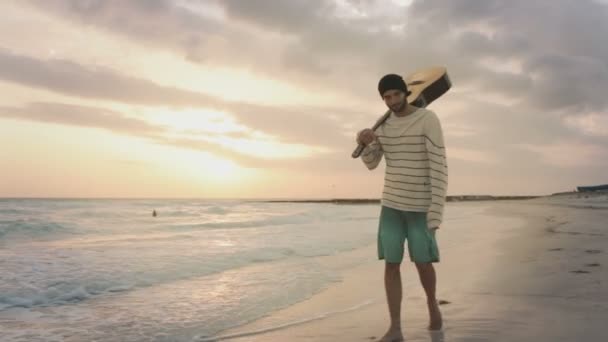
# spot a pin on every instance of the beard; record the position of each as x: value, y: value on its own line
x: 398, y: 107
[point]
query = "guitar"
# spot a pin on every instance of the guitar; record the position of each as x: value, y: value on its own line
x: 425, y: 86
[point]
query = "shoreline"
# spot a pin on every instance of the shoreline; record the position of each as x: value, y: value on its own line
x: 528, y: 272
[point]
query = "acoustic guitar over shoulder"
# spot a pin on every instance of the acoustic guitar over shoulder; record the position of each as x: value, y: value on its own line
x: 426, y: 86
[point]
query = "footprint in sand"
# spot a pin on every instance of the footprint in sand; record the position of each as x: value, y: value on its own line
x: 593, y: 251
x: 580, y: 271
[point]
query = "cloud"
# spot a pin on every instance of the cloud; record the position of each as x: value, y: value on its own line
x: 303, y: 125
x: 472, y: 155
x: 94, y: 117
x: 285, y: 16
x: 562, y: 82
x: 592, y: 124
x: 192, y: 29
x: 84, y: 116
x: 162, y: 23
x: 74, y: 79
x: 529, y: 77
x: 461, y: 34
x: 558, y: 50
x: 558, y: 46
x: 329, y: 42
x: 116, y: 122
x: 569, y: 154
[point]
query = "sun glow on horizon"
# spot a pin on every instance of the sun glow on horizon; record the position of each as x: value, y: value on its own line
x: 191, y: 119
x: 221, y: 129
x: 205, y: 167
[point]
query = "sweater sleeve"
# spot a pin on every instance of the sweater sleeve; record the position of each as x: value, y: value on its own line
x: 436, y: 154
x: 372, y: 155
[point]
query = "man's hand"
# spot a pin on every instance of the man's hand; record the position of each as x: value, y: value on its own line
x: 366, y: 136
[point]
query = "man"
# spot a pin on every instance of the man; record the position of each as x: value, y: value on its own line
x: 415, y: 184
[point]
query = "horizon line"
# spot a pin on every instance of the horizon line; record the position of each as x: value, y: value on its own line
x: 246, y: 198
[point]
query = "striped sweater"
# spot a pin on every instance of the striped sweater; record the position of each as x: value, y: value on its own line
x: 416, y: 176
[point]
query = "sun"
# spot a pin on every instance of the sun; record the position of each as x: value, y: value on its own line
x: 205, y: 167
x: 225, y: 170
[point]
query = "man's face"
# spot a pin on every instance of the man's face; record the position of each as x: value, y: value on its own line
x: 395, y: 100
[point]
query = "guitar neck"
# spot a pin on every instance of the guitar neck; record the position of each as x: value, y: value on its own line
x: 382, y: 119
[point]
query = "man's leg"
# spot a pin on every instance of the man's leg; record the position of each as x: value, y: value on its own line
x: 423, y: 249
x: 391, y: 239
x: 428, y: 278
x: 392, y: 284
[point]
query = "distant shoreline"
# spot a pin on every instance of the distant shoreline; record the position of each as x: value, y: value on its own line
x: 450, y: 198
x: 464, y: 198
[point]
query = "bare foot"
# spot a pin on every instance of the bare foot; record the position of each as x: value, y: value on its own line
x: 435, y: 316
x: 392, y: 335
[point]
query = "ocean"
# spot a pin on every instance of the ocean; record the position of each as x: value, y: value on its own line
x: 107, y: 270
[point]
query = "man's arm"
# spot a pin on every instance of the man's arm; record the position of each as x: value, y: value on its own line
x: 372, y: 153
x: 438, y: 169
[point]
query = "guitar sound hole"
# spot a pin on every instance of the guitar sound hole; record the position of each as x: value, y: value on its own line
x: 417, y: 82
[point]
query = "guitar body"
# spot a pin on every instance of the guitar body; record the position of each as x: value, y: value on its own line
x: 425, y: 86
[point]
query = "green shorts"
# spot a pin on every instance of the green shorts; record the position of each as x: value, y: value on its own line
x: 396, y: 227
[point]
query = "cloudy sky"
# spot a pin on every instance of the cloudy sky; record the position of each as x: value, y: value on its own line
x: 262, y: 98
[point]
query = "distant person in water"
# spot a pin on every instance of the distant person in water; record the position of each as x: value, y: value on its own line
x: 415, y: 184
x: 154, y: 212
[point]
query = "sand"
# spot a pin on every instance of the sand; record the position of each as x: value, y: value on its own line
x: 530, y: 270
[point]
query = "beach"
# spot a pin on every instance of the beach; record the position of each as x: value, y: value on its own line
x: 215, y: 171
x: 107, y: 270
x: 532, y: 270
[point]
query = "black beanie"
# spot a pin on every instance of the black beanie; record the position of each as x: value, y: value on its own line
x: 392, y: 82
